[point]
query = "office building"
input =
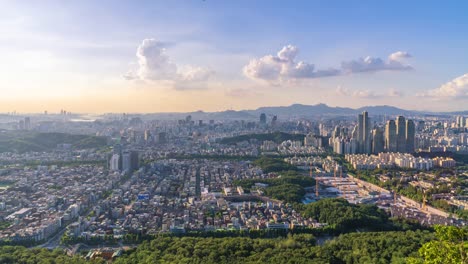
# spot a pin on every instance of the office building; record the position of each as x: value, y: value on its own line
x: 262, y: 118
x: 410, y: 136
x: 460, y: 121
x: 115, y: 162
x: 364, y: 141
x: 27, y: 123
x: 391, y: 136
x: 401, y: 134
x: 129, y: 161
x: 378, y: 141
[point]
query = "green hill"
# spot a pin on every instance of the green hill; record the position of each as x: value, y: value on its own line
x: 24, y: 141
x: 277, y: 137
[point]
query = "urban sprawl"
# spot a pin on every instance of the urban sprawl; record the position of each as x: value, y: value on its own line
x: 133, y: 176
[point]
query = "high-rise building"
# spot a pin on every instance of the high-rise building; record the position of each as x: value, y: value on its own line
x: 410, y: 135
x: 21, y: 125
x: 364, y: 141
x: 274, y: 120
x: 262, y: 118
x: 377, y: 141
x: 27, y: 123
x: 401, y: 134
x: 354, y: 133
x: 115, y: 163
x: 129, y: 161
x: 148, y: 137
x: 391, y: 136
x: 460, y: 121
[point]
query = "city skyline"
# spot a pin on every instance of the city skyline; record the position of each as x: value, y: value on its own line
x: 203, y: 55
x: 209, y: 131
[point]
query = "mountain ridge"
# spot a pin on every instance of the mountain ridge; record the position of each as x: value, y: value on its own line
x: 300, y: 111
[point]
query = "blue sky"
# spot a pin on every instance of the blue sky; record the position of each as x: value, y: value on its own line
x: 103, y: 56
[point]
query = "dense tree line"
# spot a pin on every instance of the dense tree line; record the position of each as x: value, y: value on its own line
x: 446, y: 245
x: 289, y: 186
x: 22, y: 255
x: 345, y: 217
x: 382, y: 247
x: 277, y: 137
x: 24, y: 141
x: 268, y: 164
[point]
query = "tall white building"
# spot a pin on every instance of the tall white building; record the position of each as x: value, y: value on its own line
x: 114, y: 162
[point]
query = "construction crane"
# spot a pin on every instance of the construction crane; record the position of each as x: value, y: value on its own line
x: 396, y: 189
x: 424, y: 196
x: 316, y: 182
x: 334, y: 177
x: 345, y: 187
x: 424, y: 206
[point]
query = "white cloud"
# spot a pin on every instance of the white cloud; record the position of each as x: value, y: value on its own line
x: 340, y: 91
x: 155, y: 65
x: 283, y: 66
x: 288, y: 53
x: 370, y: 64
x: 399, y: 55
x: 195, y: 74
x: 457, y: 87
x: 394, y: 93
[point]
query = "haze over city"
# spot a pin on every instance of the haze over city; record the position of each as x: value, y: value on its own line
x: 179, y: 56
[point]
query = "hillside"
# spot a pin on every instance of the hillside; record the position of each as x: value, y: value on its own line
x: 24, y: 141
x: 277, y: 137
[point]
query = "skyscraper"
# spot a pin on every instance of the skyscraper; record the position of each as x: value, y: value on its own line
x: 401, y: 134
x: 262, y: 118
x: 460, y: 121
x: 129, y: 161
x: 364, y: 142
x: 114, y: 162
x: 274, y: 120
x: 410, y: 135
x: 390, y: 136
x: 27, y: 123
x: 377, y: 141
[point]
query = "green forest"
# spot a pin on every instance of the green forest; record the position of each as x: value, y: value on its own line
x: 25, y: 141
x: 443, y: 245
x: 288, y: 187
x: 379, y: 247
x: 277, y: 137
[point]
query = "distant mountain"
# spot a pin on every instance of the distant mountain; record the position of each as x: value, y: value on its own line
x: 323, y: 109
x: 303, y: 110
x: 298, y: 110
x: 386, y: 110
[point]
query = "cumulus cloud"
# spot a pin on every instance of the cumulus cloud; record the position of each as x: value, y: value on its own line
x: 154, y: 64
x: 399, y: 55
x: 195, y: 74
x: 457, y: 87
x: 370, y: 64
x: 394, y: 93
x: 284, y: 66
x: 340, y: 91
